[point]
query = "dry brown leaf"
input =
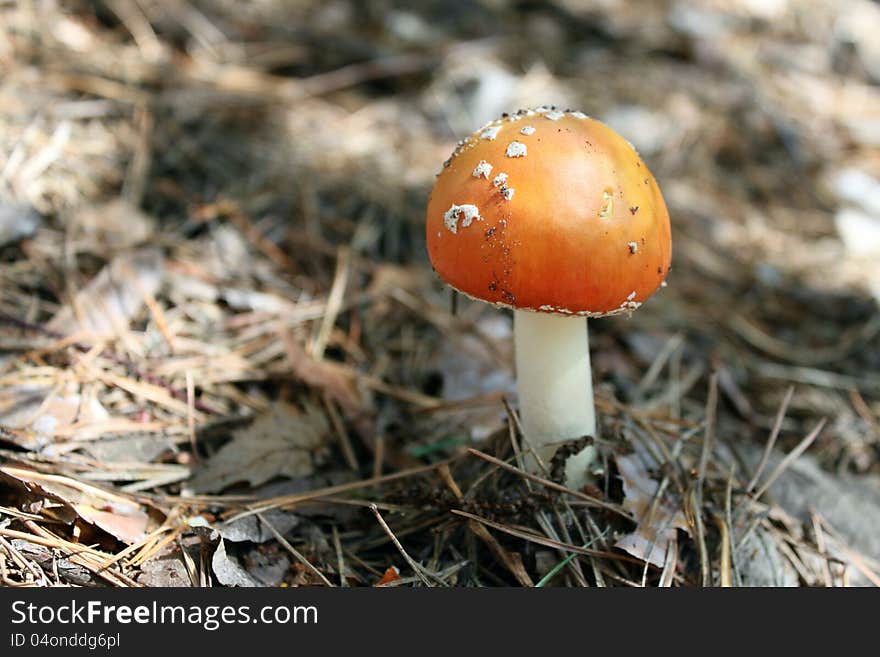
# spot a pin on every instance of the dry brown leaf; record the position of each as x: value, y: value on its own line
x: 283, y: 442
x: 113, y: 297
x: 46, y: 411
x: 657, y: 518
x: 119, y: 516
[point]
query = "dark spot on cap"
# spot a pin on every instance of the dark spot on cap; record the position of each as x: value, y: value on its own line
x: 659, y: 270
x: 634, y: 209
x: 490, y: 232
x: 509, y: 297
x: 493, y: 286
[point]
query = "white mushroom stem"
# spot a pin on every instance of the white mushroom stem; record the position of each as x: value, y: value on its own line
x: 555, y: 387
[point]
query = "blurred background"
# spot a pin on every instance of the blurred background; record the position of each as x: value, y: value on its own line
x: 232, y: 193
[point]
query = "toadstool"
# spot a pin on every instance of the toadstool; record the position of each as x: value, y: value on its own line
x: 586, y: 234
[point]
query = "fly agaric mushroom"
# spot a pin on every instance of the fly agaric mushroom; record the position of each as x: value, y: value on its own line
x: 553, y: 215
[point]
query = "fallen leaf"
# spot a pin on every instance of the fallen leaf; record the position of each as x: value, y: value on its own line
x: 228, y: 571
x: 119, y: 516
x: 44, y: 411
x: 283, y: 442
x: 268, y: 568
x: 114, y: 296
x: 167, y: 571
x: 251, y: 528
x: 132, y: 448
x: 656, y: 520
x: 391, y: 575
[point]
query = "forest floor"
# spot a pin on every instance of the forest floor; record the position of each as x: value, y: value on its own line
x: 225, y: 359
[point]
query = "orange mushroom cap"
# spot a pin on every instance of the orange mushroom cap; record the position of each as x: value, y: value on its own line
x: 549, y: 211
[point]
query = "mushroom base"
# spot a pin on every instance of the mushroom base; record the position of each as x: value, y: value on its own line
x: 555, y: 387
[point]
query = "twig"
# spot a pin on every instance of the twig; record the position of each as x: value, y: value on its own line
x: 697, y: 497
x: 543, y: 540
x: 562, y: 564
x: 419, y: 571
x: 191, y: 414
x: 594, y: 501
x: 334, y: 303
x: 789, y: 458
x: 296, y: 553
x: 340, y: 557
x: 510, y: 562
x: 669, y: 563
x: 774, y: 434
x: 820, y: 546
x: 284, y: 501
x: 859, y: 561
x: 724, y: 567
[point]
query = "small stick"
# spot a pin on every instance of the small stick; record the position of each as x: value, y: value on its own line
x: 697, y: 497
x: 728, y: 516
x: 296, y: 553
x: 297, y: 498
x: 820, y: 545
x: 191, y: 413
x: 696, y: 514
x: 378, y: 456
x: 725, y: 569
x: 19, y: 559
x: 196, y: 577
x: 549, y: 484
x: 669, y: 563
x: 544, y: 540
x: 562, y: 564
x: 334, y: 303
x: 857, y: 559
x: 510, y: 562
x: 516, y: 429
x: 412, y: 563
x: 709, y: 436
x: 340, y: 557
x: 339, y: 429
x: 774, y: 434
x: 790, y: 457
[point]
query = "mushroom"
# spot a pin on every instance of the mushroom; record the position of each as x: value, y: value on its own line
x: 585, y: 235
